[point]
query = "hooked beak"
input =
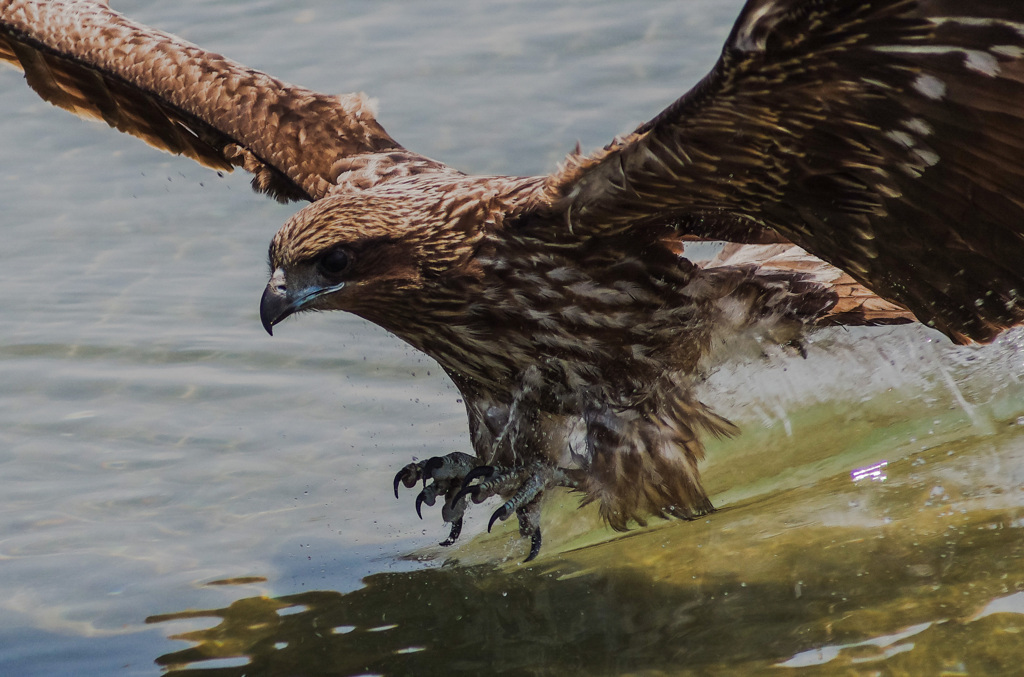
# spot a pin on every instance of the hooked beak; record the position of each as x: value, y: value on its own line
x: 275, y: 306
x: 277, y: 303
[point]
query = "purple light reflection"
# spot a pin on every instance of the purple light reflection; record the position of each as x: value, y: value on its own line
x: 874, y: 472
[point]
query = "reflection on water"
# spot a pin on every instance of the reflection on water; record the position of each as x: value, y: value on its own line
x: 159, y: 455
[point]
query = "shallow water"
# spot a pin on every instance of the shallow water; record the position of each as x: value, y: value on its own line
x: 181, y: 492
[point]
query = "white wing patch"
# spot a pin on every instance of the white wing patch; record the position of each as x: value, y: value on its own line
x: 930, y: 86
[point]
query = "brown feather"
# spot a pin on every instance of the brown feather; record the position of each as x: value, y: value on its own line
x: 882, y: 136
x: 854, y: 305
x: 90, y: 60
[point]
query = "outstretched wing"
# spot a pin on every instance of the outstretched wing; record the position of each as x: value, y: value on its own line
x: 884, y: 136
x: 84, y: 57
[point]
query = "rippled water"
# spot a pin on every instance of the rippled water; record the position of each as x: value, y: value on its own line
x: 180, y: 490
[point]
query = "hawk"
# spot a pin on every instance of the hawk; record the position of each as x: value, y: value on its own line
x: 862, y: 158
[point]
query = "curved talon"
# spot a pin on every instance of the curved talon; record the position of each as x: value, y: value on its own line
x: 420, y: 500
x: 454, y: 534
x: 430, y: 466
x: 407, y: 476
x: 473, y: 492
x: 501, y: 513
x: 534, y: 545
x: 479, y: 471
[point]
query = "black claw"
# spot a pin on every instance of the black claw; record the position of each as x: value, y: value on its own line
x: 432, y: 464
x: 461, y: 495
x: 464, y: 493
x: 473, y: 492
x: 479, y: 471
x: 501, y: 513
x: 419, y: 504
x: 454, y: 534
x: 534, y: 545
x: 407, y: 476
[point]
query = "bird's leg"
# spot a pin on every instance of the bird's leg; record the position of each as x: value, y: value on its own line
x: 528, y: 484
x: 445, y: 475
x: 529, y: 525
x: 458, y: 476
x: 443, y: 469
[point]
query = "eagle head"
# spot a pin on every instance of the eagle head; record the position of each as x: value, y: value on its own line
x: 357, y: 253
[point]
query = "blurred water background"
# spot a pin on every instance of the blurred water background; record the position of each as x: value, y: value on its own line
x: 180, y: 493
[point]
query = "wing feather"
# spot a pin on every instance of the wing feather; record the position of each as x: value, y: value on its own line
x: 84, y: 57
x: 883, y: 136
x: 854, y: 304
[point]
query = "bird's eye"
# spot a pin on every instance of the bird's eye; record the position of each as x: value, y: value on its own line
x: 334, y: 261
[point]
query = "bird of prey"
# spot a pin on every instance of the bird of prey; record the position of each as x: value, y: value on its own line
x: 863, y: 158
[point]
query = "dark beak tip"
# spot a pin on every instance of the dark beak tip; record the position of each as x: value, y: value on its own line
x: 273, y: 309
